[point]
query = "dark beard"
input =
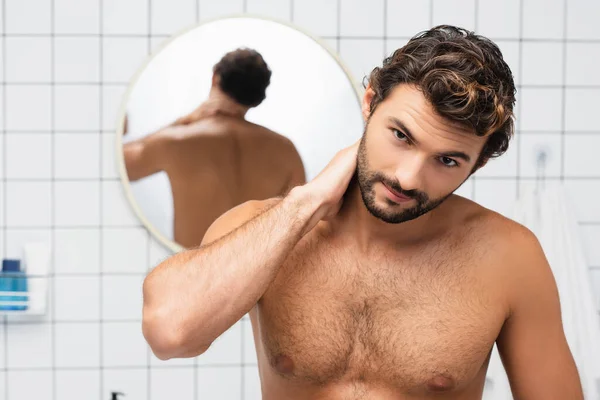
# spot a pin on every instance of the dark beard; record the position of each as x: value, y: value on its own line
x: 367, y: 179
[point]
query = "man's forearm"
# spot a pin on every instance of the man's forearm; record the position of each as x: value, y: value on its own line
x: 198, y: 294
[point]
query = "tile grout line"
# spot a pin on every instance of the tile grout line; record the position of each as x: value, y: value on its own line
x: 127, y: 367
x: 518, y: 105
x: 563, y: 93
x: 338, y: 26
x: 101, y: 193
x: 5, y: 189
x: 355, y: 37
x: 385, y: 29
x: 51, y: 273
x: 431, y: 13
x: 148, y: 350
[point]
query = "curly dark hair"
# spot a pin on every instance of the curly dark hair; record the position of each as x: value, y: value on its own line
x: 244, y: 76
x: 464, y: 77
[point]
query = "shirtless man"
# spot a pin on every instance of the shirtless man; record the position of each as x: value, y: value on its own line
x: 215, y: 159
x: 375, y: 281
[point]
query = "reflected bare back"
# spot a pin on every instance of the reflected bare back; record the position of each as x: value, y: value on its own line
x: 215, y: 164
x: 219, y: 163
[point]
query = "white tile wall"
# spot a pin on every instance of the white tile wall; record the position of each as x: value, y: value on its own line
x: 499, y: 19
x: 60, y: 182
x: 277, y: 9
x: 77, y: 344
x: 77, y: 251
x: 361, y: 18
x: 362, y: 55
x: 29, y: 346
x: 582, y: 61
x: 78, y: 384
x: 28, y: 59
x: 76, y: 107
x: 322, y: 23
x: 580, y: 109
x: 125, y: 17
x: 405, y: 17
x: 169, y: 17
x: 122, y: 297
x: 124, y: 250
x: 123, y: 345
x: 213, y: 9
x: 131, y: 381
x: 542, y: 63
x: 504, y: 166
x: 112, y: 96
x: 79, y: 298
x: 495, y: 194
x: 22, y: 102
x: 582, y: 19
x: 122, y: 57
x: 28, y: 156
x: 252, y: 390
x: 20, y: 387
x: 116, y: 210
x: 77, y: 59
x: 170, y: 383
x: 77, y: 16
x: 76, y: 156
x: 77, y: 204
x: 541, y: 109
x: 531, y: 145
x: 226, y: 349
x: 580, y: 155
x: 543, y: 25
x: 454, y: 12
x: 28, y: 204
x: 219, y: 383
x: 20, y: 17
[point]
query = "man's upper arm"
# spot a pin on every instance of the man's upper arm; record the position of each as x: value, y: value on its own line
x: 532, y: 342
x: 236, y: 217
x: 146, y: 156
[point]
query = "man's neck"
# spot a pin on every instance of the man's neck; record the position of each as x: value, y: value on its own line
x: 220, y: 103
x: 216, y: 104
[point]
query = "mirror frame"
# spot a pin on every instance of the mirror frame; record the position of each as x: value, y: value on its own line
x: 173, y: 246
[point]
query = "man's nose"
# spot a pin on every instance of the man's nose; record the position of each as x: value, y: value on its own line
x: 410, y: 173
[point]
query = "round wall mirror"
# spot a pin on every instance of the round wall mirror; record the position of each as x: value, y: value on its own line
x: 233, y: 109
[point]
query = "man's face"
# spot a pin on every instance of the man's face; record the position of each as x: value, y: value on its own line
x: 410, y: 159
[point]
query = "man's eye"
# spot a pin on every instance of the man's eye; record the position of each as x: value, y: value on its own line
x: 400, y: 135
x: 448, y: 162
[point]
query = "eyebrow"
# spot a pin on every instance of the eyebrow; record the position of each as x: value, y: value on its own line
x: 406, y: 131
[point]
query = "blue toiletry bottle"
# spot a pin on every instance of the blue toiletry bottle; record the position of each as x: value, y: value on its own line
x: 12, y: 279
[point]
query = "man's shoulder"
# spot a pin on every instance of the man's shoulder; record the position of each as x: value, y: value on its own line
x: 500, y: 234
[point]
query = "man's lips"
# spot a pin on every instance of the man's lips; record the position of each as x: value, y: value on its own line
x: 397, y: 195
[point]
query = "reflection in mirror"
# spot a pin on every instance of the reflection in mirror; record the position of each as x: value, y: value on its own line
x: 224, y: 114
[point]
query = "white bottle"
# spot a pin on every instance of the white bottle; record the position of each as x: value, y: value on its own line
x: 37, y: 268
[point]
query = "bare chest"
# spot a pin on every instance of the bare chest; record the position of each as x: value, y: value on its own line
x: 420, y: 323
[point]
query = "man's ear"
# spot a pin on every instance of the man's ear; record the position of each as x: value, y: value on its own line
x: 366, y: 102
